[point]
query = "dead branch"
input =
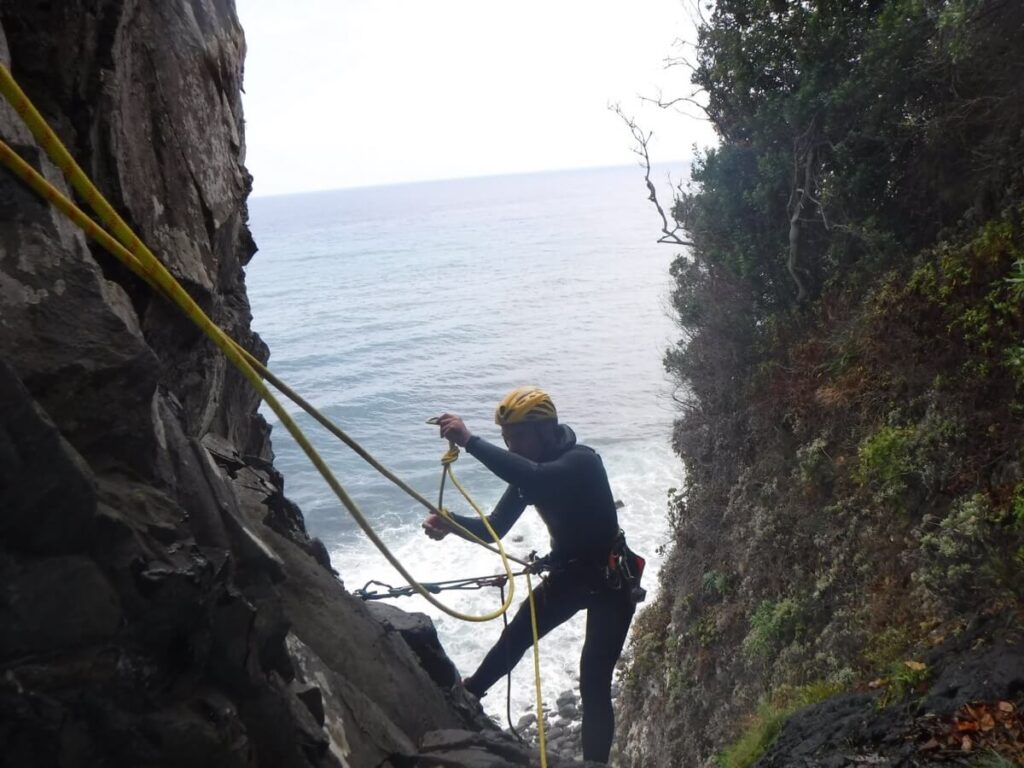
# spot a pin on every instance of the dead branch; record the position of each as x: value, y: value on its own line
x: 670, y: 62
x: 640, y: 150
x: 821, y: 211
x: 671, y: 104
x: 681, y: 59
x: 695, y: 13
x: 799, y: 197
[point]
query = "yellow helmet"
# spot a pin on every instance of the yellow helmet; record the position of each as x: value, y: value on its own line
x: 525, y: 404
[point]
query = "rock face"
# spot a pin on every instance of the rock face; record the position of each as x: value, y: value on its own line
x: 160, y: 600
x: 966, y: 708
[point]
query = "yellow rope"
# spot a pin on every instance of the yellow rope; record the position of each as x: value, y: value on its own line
x: 134, y: 254
x: 541, y: 733
x: 447, y: 460
x: 140, y: 256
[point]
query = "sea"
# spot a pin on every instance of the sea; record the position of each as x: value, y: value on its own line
x: 385, y: 306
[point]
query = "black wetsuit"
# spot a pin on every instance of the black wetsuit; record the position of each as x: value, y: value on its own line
x: 570, y: 491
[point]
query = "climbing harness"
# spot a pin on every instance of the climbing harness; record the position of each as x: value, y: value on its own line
x: 126, y: 246
x: 625, y: 569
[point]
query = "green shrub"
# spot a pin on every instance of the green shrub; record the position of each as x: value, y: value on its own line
x: 992, y: 760
x: 763, y: 730
x: 1014, y: 361
x: 958, y: 553
x: 980, y: 287
x: 766, y: 724
x: 772, y: 625
x: 894, y: 458
x: 679, y: 683
x: 814, y: 466
x: 1017, y: 506
x: 704, y: 632
x: 886, y: 647
x: 884, y: 458
x: 905, y: 678
x: 716, y: 584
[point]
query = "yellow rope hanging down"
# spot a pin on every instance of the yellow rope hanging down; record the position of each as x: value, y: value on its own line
x: 134, y: 254
x: 541, y: 734
x: 446, y: 462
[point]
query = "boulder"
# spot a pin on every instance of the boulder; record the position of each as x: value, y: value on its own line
x: 53, y: 604
x: 418, y: 631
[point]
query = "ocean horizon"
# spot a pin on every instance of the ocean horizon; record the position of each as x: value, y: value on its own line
x: 674, y: 167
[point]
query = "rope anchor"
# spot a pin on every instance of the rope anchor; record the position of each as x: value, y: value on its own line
x: 475, y: 582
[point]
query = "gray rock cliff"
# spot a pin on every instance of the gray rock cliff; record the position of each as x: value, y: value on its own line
x: 161, y: 602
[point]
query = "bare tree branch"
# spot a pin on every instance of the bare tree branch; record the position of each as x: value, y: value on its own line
x: 803, y: 152
x: 695, y: 13
x: 671, y: 104
x: 640, y: 150
x: 821, y: 210
x: 678, y: 61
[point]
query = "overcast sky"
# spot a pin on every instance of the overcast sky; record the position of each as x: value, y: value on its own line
x: 348, y: 93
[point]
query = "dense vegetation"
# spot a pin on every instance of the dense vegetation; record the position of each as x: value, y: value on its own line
x: 852, y: 361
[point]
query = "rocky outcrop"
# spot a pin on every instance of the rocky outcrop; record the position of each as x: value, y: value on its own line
x: 161, y: 602
x: 965, y: 707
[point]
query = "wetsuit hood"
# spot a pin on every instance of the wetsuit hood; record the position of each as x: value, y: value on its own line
x: 565, y: 439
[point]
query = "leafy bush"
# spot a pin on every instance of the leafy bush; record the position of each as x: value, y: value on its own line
x: 886, y: 459
x: 896, y: 459
x: 993, y: 760
x: 715, y: 584
x: 886, y: 647
x: 703, y: 631
x: 772, y: 625
x: 1017, y: 506
x: 905, y: 678
x: 815, y: 467
x: 960, y: 554
x: 769, y: 720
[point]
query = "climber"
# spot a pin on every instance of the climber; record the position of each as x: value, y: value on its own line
x: 567, y: 484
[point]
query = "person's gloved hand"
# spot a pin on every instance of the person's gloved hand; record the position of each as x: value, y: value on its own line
x: 436, y: 527
x: 454, y: 428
